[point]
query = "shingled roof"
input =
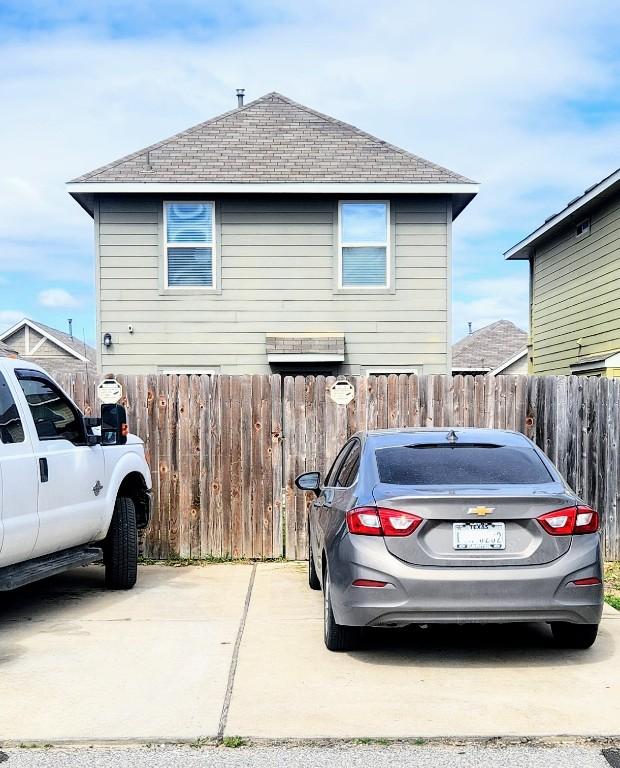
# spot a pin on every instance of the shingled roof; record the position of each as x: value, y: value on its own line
x: 273, y: 139
x: 487, y: 348
x: 81, y: 347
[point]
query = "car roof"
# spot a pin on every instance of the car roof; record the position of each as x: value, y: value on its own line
x: 420, y: 435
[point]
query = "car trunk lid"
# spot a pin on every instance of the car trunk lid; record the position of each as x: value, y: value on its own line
x: 472, y: 509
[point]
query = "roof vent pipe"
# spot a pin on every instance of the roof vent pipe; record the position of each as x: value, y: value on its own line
x: 240, y: 95
x: 469, y: 326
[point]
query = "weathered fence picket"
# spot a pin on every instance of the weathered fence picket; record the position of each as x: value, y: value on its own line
x: 224, y: 451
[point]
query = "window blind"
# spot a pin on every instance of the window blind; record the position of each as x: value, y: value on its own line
x: 363, y: 266
x: 189, y: 244
x: 190, y: 266
x: 364, y: 243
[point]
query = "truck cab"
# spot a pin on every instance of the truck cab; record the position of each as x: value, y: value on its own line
x: 70, y: 493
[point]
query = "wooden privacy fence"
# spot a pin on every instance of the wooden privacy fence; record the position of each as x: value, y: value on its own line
x: 224, y: 451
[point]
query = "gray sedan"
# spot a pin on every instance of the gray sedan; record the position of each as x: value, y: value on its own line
x: 415, y: 526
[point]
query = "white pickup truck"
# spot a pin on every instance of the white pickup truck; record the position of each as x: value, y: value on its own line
x: 73, y: 489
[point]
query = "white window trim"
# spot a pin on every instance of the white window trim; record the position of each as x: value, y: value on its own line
x: 365, y: 244
x: 213, y: 288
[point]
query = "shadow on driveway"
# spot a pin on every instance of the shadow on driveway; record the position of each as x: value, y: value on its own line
x: 479, y: 645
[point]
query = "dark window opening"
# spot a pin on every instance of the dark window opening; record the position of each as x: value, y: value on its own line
x: 461, y: 464
x: 350, y: 467
x: 11, y: 428
x: 54, y: 415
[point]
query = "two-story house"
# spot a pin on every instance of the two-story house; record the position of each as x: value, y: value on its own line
x: 574, y: 259
x: 273, y: 238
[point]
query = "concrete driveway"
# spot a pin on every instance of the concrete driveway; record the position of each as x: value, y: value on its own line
x: 203, y: 652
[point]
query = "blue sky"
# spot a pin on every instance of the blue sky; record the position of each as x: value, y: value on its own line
x: 524, y: 99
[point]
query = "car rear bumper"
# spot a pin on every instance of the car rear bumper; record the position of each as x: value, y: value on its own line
x: 430, y: 594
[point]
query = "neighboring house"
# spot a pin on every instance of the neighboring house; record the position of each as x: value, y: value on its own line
x: 54, y: 350
x: 273, y: 238
x: 575, y: 285
x: 499, y: 347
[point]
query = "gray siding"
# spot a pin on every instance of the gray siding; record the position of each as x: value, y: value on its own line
x: 277, y: 276
x: 575, y: 285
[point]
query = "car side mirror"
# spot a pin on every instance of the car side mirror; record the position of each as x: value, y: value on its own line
x: 114, y: 428
x: 309, y: 481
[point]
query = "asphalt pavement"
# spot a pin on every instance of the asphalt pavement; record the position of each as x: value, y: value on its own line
x: 349, y: 756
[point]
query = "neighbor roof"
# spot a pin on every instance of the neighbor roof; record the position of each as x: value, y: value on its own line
x: 79, y: 349
x: 272, y: 139
x: 574, y: 210
x: 487, y: 348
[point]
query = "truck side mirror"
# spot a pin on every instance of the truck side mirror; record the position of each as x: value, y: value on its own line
x: 114, y: 428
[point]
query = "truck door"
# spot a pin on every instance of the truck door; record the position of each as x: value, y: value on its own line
x: 71, y: 472
x: 19, y: 519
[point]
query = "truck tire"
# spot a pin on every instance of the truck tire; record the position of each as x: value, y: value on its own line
x: 121, y: 546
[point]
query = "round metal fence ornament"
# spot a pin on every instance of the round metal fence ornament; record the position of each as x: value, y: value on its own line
x: 342, y: 392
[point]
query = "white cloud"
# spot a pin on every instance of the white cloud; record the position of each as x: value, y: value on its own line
x: 488, y: 89
x: 57, y: 298
x: 490, y: 300
x: 9, y: 317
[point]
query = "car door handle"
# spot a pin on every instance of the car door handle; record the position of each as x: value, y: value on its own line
x: 43, y: 470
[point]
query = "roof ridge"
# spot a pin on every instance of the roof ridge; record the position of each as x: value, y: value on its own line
x: 163, y: 142
x: 271, y: 96
x: 467, y: 341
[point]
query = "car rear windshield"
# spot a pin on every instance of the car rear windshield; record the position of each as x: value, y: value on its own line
x: 464, y: 464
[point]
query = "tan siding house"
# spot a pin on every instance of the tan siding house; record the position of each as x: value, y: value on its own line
x: 273, y: 238
x: 575, y: 285
x: 54, y: 350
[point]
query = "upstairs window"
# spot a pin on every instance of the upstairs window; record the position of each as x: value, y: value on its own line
x: 190, y: 244
x: 363, y: 228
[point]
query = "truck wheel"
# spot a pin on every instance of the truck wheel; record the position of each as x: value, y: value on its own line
x: 121, y: 546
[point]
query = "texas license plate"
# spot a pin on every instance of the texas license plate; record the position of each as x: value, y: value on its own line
x: 479, y: 535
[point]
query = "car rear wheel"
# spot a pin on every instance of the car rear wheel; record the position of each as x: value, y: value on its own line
x: 313, y: 577
x: 337, y: 637
x: 120, y: 550
x: 574, y: 635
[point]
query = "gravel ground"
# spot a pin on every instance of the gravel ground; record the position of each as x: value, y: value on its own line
x: 349, y: 756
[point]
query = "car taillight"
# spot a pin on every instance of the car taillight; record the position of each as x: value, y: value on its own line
x: 379, y: 521
x: 586, y: 521
x: 364, y: 521
x: 570, y: 521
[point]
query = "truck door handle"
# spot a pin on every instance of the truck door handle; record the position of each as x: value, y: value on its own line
x: 43, y: 471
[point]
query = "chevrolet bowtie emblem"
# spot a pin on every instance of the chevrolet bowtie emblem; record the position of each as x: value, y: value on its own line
x: 480, y: 511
